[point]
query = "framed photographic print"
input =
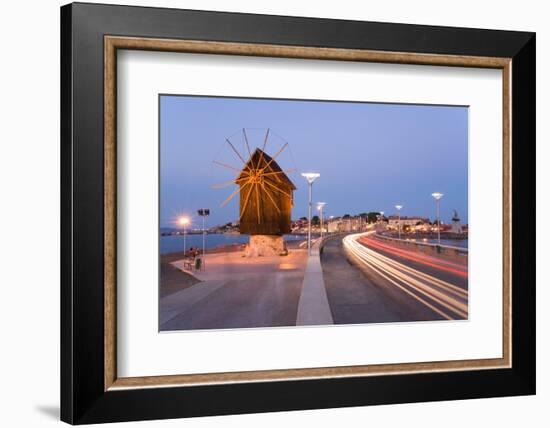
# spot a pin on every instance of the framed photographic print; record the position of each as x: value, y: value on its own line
x: 265, y: 213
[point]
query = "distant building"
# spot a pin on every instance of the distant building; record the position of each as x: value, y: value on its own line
x: 348, y: 224
x: 455, y: 226
x: 333, y: 226
x: 412, y: 222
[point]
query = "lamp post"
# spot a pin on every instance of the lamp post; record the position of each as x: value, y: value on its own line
x: 184, y: 221
x: 320, y: 206
x: 437, y: 196
x: 310, y: 177
x: 399, y: 220
x: 203, y: 212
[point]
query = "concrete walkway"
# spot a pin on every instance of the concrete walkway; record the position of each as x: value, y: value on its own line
x: 181, y: 301
x: 238, y: 292
x: 313, y: 307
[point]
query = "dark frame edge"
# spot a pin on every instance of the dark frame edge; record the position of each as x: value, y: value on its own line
x: 66, y: 273
x: 524, y: 232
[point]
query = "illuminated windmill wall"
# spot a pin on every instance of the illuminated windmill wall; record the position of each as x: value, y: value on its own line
x: 265, y: 192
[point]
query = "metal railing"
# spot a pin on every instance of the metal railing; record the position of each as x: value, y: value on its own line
x: 424, y: 244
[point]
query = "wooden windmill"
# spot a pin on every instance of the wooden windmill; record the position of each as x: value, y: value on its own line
x: 266, y: 196
x: 265, y: 192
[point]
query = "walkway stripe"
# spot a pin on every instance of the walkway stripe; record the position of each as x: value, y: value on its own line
x: 313, y: 307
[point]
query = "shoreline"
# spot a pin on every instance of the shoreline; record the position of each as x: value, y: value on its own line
x: 226, y: 248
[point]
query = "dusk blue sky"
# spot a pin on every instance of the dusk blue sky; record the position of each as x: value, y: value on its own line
x: 370, y: 156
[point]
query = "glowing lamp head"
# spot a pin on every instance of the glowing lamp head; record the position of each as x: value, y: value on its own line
x: 310, y: 176
x: 320, y: 205
x: 399, y: 207
x: 183, y: 221
x: 437, y: 195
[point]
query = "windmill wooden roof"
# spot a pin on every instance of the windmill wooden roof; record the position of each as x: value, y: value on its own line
x: 260, y: 159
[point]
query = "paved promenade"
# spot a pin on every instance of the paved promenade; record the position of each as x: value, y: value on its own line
x: 238, y: 292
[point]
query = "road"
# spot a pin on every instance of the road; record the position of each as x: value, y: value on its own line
x: 370, y: 281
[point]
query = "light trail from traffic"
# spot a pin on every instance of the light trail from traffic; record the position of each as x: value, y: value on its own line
x: 444, y: 298
x: 424, y: 259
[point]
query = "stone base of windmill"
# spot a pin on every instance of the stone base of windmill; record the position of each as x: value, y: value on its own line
x: 265, y: 245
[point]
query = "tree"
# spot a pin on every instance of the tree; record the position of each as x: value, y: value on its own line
x: 346, y: 216
x: 315, y: 219
x: 303, y: 218
x: 372, y: 216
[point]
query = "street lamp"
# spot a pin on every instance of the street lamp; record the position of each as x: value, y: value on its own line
x: 184, y: 221
x: 399, y: 220
x: 203, y: 212
x: 310, y: 177
x: 437, y: 196
x: 320, y: 206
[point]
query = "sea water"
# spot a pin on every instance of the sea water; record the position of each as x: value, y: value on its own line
x: 174, y: 243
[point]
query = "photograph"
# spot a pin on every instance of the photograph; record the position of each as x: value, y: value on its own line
x: 292, y: 212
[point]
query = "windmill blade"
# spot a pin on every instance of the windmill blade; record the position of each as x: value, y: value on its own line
x: 222, y: 185
x: 275, y: 157
x: 227, y: 166
x: 256, y: 187
x: 288, y: 171
x: 268, y: 193
x: 277, y: 174
x: 260, y: 158
x: 233, y: 194
x: 238, y: 154
x: 246, y: 199
x: 246, y: 141
x: 227, y: 183
x: 279, y: 190
x: 265, y: 140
